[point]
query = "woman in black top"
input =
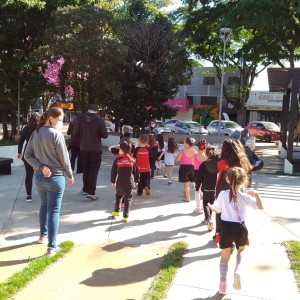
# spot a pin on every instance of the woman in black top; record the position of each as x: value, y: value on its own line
x: 25, y: 136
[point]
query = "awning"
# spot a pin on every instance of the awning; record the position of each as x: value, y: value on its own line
x: 265, y: 101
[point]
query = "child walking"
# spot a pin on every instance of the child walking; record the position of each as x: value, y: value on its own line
x: 142, y: 157
x: 169, y: 153
x: 207, y: 182
x: 200, y: 157
x: 153, y: 146
x: 123, y: 173
x: 186, y: 169
x: 160, y: 148
x: 233, y: 204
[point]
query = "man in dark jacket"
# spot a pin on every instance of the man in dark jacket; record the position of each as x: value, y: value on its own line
x: 91, y: 128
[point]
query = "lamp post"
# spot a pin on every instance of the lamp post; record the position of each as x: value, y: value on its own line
x: 19, y: 53
x: 224, y: 34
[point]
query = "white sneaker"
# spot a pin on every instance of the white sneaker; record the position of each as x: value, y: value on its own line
x: 198, y: 210
x: 237, y: 281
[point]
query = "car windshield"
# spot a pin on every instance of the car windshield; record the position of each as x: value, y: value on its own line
x: 193, y: 125
x: 271, y: 126
x: 231, y: 125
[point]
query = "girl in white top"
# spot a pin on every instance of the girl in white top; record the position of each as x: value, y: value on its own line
x: 233, y: 204
x: 169, y: 152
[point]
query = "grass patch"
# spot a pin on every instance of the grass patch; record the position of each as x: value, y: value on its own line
x: 162, y: 281
x: 20, y: 279
x: 293, y: 250
x: 282, y: 173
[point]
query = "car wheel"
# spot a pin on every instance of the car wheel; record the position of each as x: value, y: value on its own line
x: 268, y: 139
x: 226, y: 134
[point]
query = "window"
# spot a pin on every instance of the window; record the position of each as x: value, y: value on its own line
x: 209, y: 81
x: 191, y: 100
x: 233, y: 80
x: 208, y: 100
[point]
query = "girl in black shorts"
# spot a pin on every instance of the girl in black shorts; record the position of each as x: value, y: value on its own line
x: 186, y: 169
x: 232, y: 204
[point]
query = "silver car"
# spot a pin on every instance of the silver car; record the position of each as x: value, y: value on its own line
x: 226, y: 127
x: 189, y: 127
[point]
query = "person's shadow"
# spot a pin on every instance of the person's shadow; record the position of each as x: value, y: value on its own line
x: 216, y: 296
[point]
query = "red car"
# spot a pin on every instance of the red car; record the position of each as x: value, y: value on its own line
x: 266, y: 131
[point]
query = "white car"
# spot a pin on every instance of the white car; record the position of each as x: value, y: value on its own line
x: 110, y: 126
x: 189, y: 127
x: 171, y: 123
x: 226, y: 127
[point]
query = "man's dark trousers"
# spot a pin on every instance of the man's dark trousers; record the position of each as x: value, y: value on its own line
x: 91, y: 165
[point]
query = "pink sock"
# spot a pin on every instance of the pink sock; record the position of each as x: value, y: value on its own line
x: 239, y: 257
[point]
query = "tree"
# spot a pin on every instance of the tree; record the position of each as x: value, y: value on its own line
x: 156, y: 64
x: 244, y: 52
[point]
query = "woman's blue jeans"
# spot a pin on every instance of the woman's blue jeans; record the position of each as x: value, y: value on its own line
x: 51, y: 190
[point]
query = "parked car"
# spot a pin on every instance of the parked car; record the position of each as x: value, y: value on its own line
x: 266, y: 131
x: 189, y: 127
x: 171, y: 123
x: 161, y: 127
x: 111, y: 127
x: 226, y: 127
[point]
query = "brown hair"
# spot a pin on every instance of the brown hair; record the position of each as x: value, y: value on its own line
x: 160, y: 140
x: 53, y: 112
x: 34, y: 120
x: 125, y: 147
x: 172, y: 145
x: 144, y: 139
x: 152, y: 140
x: 211, y: 151
x: 236, y: 176
x: 234, y: 154
x: 189, y: 141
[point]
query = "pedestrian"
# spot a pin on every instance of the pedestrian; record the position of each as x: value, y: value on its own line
x: 169, y: 153
x: 232, y: 155
x: 233, y: 204
x: 207, y: 182
x: 24, y: 137
x: 153, y: 128
x: 91, y: 129
x: 200, y: 157
x: 160, y: 147
x: 243, y: 136
x: 142, y: 157
x: 186, y: 157
x: 48, y: 155
x: 74, y: 147
x: 124, y: 175
x: 153, y: 146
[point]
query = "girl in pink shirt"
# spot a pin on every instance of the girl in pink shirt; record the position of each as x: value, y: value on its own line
x: 186, y: 169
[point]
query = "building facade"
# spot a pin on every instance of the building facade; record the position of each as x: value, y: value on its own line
x: 203, y: 95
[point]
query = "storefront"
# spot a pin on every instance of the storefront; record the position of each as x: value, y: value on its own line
x: 264, y: 106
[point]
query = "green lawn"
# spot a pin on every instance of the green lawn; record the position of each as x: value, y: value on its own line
x: 293, y: 250
x: 20, y: 279
x: 162, y: 281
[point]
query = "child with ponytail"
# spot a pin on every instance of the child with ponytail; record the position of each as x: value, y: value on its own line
x: 233, y: 204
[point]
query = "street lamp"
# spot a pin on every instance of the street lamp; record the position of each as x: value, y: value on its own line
x: 19, y: 53
x: 224, y: 34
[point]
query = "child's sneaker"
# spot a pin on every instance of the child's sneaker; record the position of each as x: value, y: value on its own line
x: 125, y: 220
x: 197, y: 210
x: 83, y: 193
x: 115, y: 213
x: 28, y: 198
x: 165, y: 176
x: 210, y: 225
x: 42, y: 239
x: 237, y: 281
x: 147, y: 191
x: 92, y: 197
x: 222, y: 288
x: 52, y: 251
x: 169, y: 182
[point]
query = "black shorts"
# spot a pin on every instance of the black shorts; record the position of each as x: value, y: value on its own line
x: 233, y: 232
x: 186, y: 173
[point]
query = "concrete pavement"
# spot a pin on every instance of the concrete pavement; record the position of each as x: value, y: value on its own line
x: 113, y: 260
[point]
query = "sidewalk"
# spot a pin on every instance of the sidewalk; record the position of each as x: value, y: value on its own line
x: 117, y: 261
